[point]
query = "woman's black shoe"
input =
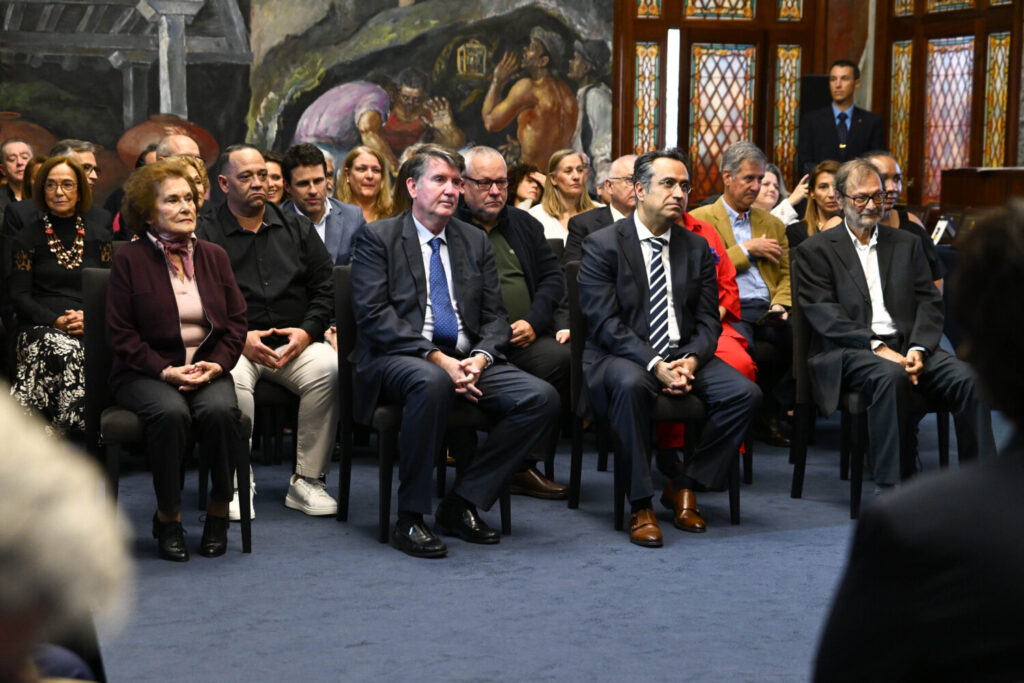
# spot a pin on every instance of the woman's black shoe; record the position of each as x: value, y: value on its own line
x: 215, y: 536
x: 170, y: 537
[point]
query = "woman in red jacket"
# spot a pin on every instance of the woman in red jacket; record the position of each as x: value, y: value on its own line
x: 176, y: 324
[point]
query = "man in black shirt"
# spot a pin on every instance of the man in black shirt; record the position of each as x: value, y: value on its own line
x: 284, y: 272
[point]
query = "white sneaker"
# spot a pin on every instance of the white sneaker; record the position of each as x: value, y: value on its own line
x: 234, y: 507
x: 310, y: 496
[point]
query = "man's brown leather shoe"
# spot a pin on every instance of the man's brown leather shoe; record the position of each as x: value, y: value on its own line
x: 532, y: 483
x: 643, y: 529
x: 683, y: 504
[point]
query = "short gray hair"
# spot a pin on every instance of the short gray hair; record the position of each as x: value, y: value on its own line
x: 68, y: 146
x: 737, y: 153
x: 480, y: 151
x: 416, y: 165
x: 855, y: 169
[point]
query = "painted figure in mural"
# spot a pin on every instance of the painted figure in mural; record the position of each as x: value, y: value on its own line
x: 541, y: 103
x: 415, y: 118
x: 593, y: 133
x: 348, y: 115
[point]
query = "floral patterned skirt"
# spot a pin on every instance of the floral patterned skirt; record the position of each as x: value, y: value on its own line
x: 50, y: 377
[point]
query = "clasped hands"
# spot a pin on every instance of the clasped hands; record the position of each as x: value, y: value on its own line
x: 72, y: 322
x: 261, y: 354
x: 764, y: 247
x: 676, y: 376
x: 913, y: 362
x: 191, y: 377
x: 464, y: 373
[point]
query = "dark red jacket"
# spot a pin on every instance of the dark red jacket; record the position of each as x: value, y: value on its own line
x: 143, y: 327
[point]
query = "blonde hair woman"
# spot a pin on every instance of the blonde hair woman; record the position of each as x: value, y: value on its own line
x: 366, y: 183
x: 565, y: 193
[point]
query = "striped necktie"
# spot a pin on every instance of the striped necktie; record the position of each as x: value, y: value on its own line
x: 659, y: 300
x: 446, y: 326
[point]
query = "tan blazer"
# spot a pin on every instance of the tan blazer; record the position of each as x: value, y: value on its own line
x: 762, y: 224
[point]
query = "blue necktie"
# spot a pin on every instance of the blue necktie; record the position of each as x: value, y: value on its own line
x: 842, y: 129
x: 446, y: 325
x: 659, y: 300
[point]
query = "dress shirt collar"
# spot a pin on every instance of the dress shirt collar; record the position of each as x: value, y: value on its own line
x: 323, y: 219
x: 644, y: 233
x: 848, y: 111
x: 616, y: 215
x: 271, y: 218
x: 735, y: 216
x: 873, y: 242
x: 424, y: 234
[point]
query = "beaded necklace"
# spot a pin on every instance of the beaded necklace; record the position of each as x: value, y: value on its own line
x: 69, y: 258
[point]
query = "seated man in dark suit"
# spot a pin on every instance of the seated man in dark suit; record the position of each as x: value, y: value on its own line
x: 932, y: 590
x: 649, y: 292
x: 304, y: 171
x: 532, y: 290
x: 867, y: 292
x: 431, y: 329
x: 840, y: 131
x: 619, y: 186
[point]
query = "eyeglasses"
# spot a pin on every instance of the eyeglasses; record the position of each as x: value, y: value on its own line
x: 89, y: 168
x: 485, y: 183
x: 65, y: 185
x: 861, y: 200
x: 670, y: 184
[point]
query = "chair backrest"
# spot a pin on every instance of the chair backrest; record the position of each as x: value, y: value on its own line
x: 801, y: 332
x: 98, y: 357
x: 577, y: 332
x: 557, y: 246
x: 345, y: 320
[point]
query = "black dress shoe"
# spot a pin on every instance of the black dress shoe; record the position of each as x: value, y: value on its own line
x: 668, y: 462
x: 532, y: 483
x: 215, y: 536
x: 771, y: 433
x: 415, y: 538
x: 456, y: 517
x: 170, y: 537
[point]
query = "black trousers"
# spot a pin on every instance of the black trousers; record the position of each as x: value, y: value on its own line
x: 525, y: 408
x: 172, y: 418
x: 550, y: 361
x: 771, y: 347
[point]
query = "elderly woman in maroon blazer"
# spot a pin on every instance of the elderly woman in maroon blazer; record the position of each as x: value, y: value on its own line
x: 176, y: 324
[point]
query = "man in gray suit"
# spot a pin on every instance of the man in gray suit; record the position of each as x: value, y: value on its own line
x: 867, y: 292
x: 432, y: 330
x: 305, y: 175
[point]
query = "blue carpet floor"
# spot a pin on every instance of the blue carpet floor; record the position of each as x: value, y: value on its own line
x: 565, y: 597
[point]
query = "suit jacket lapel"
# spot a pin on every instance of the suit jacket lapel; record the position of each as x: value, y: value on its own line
x: 840, y: 237
x: 723, y: 224
x: 414, y: 256
x: 332, y: 232
x: 459, y: 259
x: 885, y: 249
x: 629, y: 244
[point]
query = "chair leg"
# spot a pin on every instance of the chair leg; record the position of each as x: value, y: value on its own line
x: 442, y: 472
x: 734, y: 491
x: 345, y: 470
x: 505, y: 504
x: 204, y: 478
x: 857, y: 450
x: 242, y: 473
x: 748, y: 461
x: 942, y: 423
x: 576, y: 463
x: 845, y: 439
x: 388, y: 449
x: 112, y: 460
x: 620, y: 491
x: 798, y: 449
x: 602, y: 446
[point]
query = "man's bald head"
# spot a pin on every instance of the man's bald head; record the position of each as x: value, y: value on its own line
x: 619, y: 184
x: 176, y: 145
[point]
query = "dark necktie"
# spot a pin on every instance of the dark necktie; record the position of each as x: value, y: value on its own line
x: 446, y: 326
x: 842, y: 129
x: 659, y: 300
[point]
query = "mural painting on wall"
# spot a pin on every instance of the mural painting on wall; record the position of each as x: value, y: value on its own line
x: 525, y: 77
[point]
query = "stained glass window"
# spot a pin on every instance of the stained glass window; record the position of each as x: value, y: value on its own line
x: 719, y: 9
x: 996, y: 3
x: 791, y: 10
x: 949, y: 5
x: 899, y: 122
x: 996, y: 87
x: 948, y: 109
x: 787, y: 99
x: 722, y: 81
x: 903, y: 8
x: 645, y: 103
x: 646, y: 9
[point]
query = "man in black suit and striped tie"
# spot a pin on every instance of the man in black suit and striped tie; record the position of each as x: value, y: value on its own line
x: 650, y: 297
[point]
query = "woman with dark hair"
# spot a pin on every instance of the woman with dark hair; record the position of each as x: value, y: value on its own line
x: 822, y: 204
x: 771, y: 195
x: 46, y: 292
x: 565, y: 193
x: 366, y: 183
x: 176, y: 324
x: 275, y: 177
x: 526, y: 185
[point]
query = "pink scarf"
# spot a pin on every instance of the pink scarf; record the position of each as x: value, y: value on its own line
x: 181, y: 248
